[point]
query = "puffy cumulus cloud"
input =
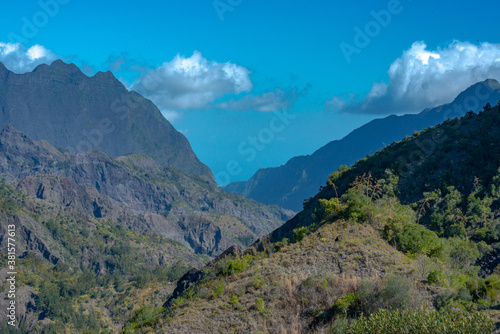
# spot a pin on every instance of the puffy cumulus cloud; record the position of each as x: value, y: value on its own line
x: 266, y: 102
x: 194, y: 82
x: 423, y: 78
x: 20, y: 59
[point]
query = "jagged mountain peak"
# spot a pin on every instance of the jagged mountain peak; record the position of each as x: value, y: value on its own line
x: 104, y: 75
x: 9, y: 128
x: 10, y: 134
x: 78, y: 113
x: 58, y: 67
x: 478, y: 90
x: 492, y: 83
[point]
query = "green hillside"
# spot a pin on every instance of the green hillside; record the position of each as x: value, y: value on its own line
x: 404, y: 241
x: 79, y: 274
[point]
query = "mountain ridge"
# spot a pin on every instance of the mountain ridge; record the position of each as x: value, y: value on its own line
x: 386, y: 246
x: 80, y: 113
x: 152, y: 198
x: 290, y: 184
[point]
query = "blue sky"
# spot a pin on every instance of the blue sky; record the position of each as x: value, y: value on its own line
x: 227, y: 73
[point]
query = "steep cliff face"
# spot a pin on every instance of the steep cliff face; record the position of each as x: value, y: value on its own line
x: 137, y: 192
x: 62, y: 105
x: 301, y: 177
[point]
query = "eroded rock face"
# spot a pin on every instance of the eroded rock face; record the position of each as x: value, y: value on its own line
x: 203, y: 236
x: 26, y: 238
x: 194, y: 275
x: 25, y: 305
x: 137, y: 192
x: 301, y: 177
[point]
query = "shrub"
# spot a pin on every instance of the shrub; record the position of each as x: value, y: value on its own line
x: 339, y: 326
x: 236, y: 266
x: 435, y: 277
x: 234, y: 300
x: 280, y: 244
x: 393, y: 292
x: 461, y: 253
x: 413, y: 238
x: 422, y: 322
x: 356, y: 202
x: 178, y: 302
x: 398, y: 292
x: 260, y: 305
x: 341, y: 306
x: 330, y: 207
x: 145, y: 316
x: 484, y: 290
x: 449, y: 298
x: 218, y: 291
x: 299, y: 233
x: 257, y: 282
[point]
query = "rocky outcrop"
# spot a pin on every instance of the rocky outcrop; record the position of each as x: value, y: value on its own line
x: 189, y: 278
x: 488, y: 262
x: 203, y: 236
x: 195, y: 275
x: 26, y: 238
x: 137, y: 192
x: 33, y: 243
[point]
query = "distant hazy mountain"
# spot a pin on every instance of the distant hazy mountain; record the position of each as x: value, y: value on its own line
x: 78, y: 113
x: 301, y: 177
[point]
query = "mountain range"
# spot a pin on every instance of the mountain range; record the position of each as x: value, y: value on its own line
x: 120, y: 228
x: 70, y: 110
x: 106, y: 196
x: 404, y: 241
x: 136, y: 191
x: 301, y: 177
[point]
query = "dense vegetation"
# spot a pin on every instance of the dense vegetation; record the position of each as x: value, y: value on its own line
x: 94, y: 274
x: 390, y: 245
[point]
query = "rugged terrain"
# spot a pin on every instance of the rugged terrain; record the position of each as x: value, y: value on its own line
x: 404, y: 241
x: 137, y: 192
x: 301, y: 177
x: 109, y: 202
x: 78, y: 273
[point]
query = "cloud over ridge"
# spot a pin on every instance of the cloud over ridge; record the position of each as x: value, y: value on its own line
x: 192, y: 82
x: 20, y: 59
x: 423, y: 78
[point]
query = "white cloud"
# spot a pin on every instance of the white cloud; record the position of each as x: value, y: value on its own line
x: 20, y: 59
x: 171, y: 115
x: 181, y: 84
x: 194, y: 82
x: 266, y: 102
x: 423, y: 78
